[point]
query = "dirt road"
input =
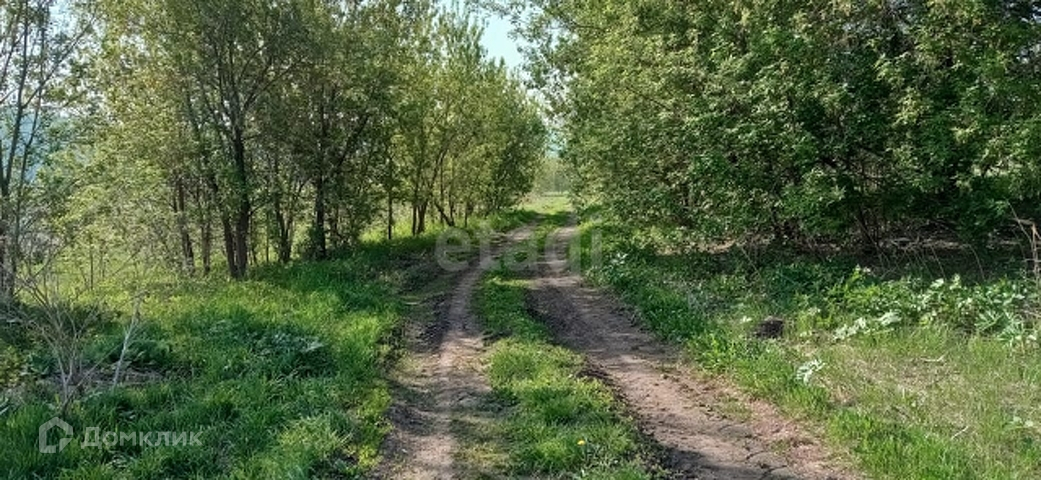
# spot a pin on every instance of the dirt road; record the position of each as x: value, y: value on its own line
x: 441, y: 380
x: 706, y: 431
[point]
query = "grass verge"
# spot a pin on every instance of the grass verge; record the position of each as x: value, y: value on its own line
x: 924, y: 367
x: 280, y: 376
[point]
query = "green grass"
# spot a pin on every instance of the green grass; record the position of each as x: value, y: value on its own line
x: 918, y: 378
x: 556, y: 421
x: 549, y: 204
x: 282, y: 374
x: 499, y: 222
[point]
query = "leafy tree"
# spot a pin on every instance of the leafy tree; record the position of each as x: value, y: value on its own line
x: 254, y: 117
x: 800, y: 119
x: 37, y: 53
x: 469, y: 137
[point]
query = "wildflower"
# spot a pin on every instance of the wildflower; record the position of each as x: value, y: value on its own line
x: 581, y: 442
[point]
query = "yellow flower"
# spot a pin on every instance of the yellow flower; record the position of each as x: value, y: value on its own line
x: 581, y: 442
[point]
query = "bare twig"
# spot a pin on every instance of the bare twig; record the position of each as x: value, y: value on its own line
x: 933, y: 360
x: 1029, y: 229
x: 128, y: 335
x: 64, y: 330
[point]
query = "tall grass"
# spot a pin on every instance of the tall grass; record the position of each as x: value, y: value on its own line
x: 280, y: 374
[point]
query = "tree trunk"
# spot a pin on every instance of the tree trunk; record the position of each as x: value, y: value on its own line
x: 441, y: 190
x: 333, y: 227
x: 242, y: 222
x: 415, y: 215
x: 445, y: 218
x: 253, y: 257
x: 389, y: 185
x: 229, y: 246
x: 90, y: 270
x: 206, y: 205
x: 285, y: 244
x: 390, y: 217
x: 284, y: 247
x: 181, y: 211
x: 421, y: 227
x: 243, y: 211
x: 206, y: 245
x: 320, y: 244
x: 7, y: 269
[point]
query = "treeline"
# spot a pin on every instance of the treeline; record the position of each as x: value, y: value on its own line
x: 804, y: 120
x: 189, y: 132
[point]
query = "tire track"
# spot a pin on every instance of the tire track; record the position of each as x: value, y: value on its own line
x: 675, y: 406
x: 441, y: 380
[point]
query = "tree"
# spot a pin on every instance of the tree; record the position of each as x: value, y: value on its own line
x: 334, y: 107
x: 234, y: 51
x: 249, y: 116
x: 797, y: 119
x: 468, y: 135
x: 36, y: 52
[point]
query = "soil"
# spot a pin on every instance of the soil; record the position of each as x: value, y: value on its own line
x: 700, y: 428
x: 441, y: 380
x: 704, y: 430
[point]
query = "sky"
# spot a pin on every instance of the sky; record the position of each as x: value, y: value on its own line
x: 496, y: 35
x: 499, y: 44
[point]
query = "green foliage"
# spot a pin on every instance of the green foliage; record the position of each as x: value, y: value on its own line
x: 992, y: 308
x: 12, y: 365
x: 552, y: 178
x: 469, y: 138
x: 43, y: 41
x: 558, y: 421
x: 247, y: 131
x: 797, y: 119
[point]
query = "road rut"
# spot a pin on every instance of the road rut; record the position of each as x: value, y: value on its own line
x: 442, y: 378
x: 678, y: 408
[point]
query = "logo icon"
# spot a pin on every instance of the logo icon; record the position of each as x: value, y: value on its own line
x: 45, y: 447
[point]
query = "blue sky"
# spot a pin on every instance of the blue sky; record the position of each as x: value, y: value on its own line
x: 498, y: 42
x: 496, y: 34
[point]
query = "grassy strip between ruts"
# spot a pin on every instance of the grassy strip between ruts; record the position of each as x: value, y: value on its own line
x: 280, y: 376
x: 557, y: 422
x: 896, y: 367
